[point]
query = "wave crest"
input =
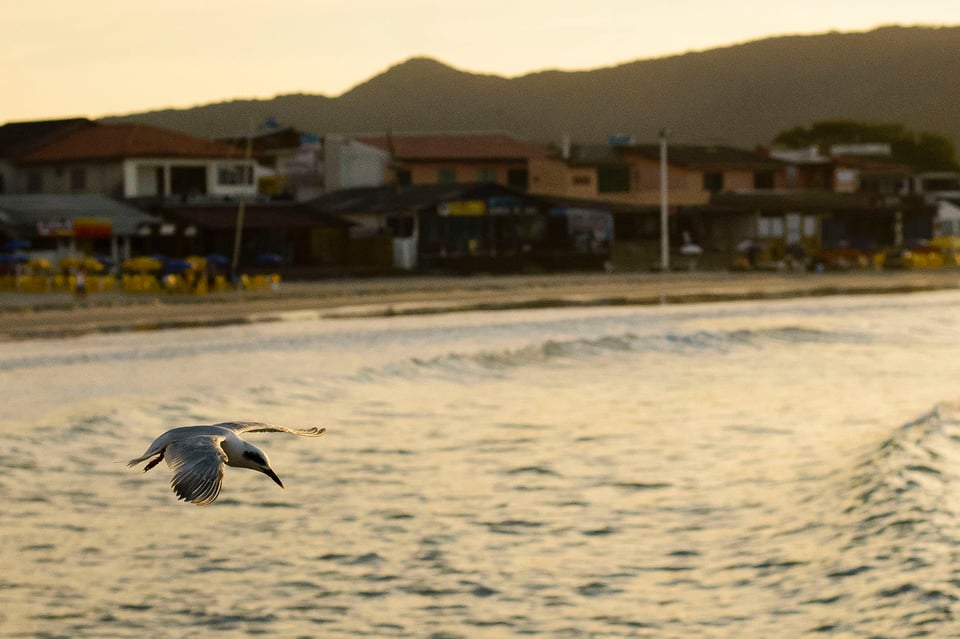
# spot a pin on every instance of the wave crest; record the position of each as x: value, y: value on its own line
x: 556, y: 351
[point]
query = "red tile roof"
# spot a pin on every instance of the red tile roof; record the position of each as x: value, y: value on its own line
x: 116, y: 141
x: 457, y: 147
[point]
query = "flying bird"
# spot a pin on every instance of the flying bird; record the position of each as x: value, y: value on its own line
x: 197, y: 454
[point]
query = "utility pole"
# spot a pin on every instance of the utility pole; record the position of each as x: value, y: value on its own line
x: 241, y: 208
x: 664, y: 209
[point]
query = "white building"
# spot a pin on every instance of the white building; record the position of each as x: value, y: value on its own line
x: 136, y: 161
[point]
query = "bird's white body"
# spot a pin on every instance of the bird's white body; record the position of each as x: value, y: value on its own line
x: 197, y: 455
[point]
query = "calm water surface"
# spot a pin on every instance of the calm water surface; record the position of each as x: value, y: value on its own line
x: 726, y: 470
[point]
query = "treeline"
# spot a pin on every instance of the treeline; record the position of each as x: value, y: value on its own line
x: 921, y: 151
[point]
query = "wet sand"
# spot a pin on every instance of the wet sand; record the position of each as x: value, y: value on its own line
x: 54, y: 315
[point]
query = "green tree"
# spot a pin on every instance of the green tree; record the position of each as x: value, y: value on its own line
x: 921, y: 151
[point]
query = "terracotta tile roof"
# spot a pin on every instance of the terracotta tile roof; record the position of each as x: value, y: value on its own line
x: 115, y: 141
x: 456, y: 147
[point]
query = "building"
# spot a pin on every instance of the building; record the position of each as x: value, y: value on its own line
x: 627, y: 177
x: 19, y: 138
x: 469, y: 227
x: 446, y: 159
x: 630, y: 173
x: 135, y: 161
x: 307, y: 165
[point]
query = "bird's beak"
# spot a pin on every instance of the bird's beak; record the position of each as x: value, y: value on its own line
x: 272, y: 475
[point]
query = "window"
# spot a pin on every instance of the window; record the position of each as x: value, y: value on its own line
x: 613, y: 179
x: 404, y: 177
x: 486, y: 175
x: 447, y: 176
x: 713, y: 181
x: 235, y: 175
x: 78, y: 179
x: 763, y: 180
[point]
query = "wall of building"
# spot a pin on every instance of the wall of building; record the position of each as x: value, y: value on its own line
x: 737, y: 180
x: 71, y: 178
x: 8, y: 178
x: 349, y: 164
x: 463, y: 172
x: 139, y: 177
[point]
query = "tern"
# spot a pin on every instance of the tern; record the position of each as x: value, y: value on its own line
x: 197, y: 454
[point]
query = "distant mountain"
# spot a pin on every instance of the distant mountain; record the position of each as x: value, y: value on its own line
x: 741, y: 95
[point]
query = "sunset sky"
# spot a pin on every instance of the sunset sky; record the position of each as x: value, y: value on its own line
x: 92, y: 58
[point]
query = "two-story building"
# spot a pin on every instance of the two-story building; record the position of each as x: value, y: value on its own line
x: 136, y: 161
x: 853, y: 197
x: 629, y: 175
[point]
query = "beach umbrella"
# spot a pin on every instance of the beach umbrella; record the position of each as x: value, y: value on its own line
x: 144, y: 264
x: 269, y: 259
x: 174, y: 265
x: 197, y: 263
x: 40, y: 264
x: 16, y: 245
x: 92, y: 264
x: 69, y: 263
x: 218, y: 259
x: 7, y: 258
x: 78, y: 262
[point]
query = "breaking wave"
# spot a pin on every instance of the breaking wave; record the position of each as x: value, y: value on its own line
x: 558, y: 351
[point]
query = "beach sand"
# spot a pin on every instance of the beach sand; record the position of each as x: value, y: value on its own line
x: 54, y: 315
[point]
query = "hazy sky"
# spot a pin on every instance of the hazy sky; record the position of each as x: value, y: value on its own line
x: 97, y: 57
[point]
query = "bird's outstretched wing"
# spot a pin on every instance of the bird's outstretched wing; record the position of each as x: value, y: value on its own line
x: 197, y: 464
x: 259, y: 427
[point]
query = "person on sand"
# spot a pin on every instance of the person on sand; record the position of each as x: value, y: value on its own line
x: 80, y: 288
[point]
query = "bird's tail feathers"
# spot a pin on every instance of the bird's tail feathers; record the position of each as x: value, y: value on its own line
x: 134, y: 462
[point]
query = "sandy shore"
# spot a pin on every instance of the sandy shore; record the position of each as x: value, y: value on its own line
x: 31, y: 316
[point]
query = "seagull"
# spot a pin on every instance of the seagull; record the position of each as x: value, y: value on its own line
x: 197, y: 455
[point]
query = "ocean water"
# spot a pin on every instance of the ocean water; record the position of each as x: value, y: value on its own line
x: 774, y: 469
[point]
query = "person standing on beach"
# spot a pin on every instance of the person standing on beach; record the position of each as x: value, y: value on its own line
x: 80, y: 288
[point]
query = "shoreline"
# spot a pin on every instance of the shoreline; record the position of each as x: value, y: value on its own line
x: 31, y: 316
